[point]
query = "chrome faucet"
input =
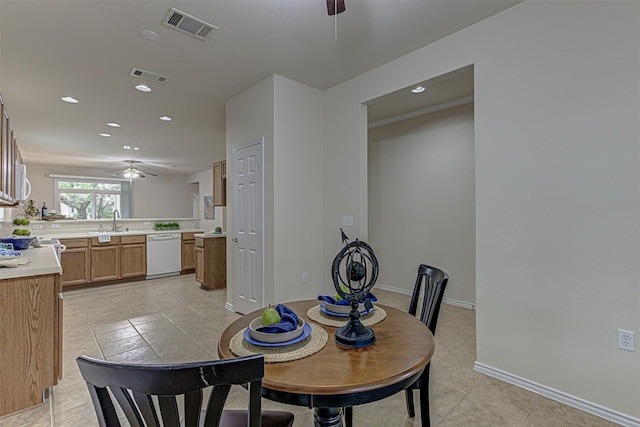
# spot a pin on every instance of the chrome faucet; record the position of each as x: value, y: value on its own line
x: 116, y: 212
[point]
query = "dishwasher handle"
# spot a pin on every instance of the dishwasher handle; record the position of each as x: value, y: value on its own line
x: 162, y: 236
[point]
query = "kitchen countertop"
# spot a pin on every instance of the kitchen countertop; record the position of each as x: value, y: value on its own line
x: 43, y: 261
x: 210, y: 235
x: 87, y: 234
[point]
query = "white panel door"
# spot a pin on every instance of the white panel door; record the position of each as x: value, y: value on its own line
x: 248, y: 271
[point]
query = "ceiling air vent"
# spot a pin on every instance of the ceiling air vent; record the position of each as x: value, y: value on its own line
x: 137, y: 72
x: 187, y: 24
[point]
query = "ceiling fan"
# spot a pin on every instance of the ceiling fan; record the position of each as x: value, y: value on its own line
x: 335, y: 6
x: 131, y: 172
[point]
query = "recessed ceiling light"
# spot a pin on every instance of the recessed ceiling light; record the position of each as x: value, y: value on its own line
x: 143, y: 88
x: 126, y: 147
x: 69, y: 99
x: 148, y: 34
x: 136, y: 148
x: 106, y: 135
x: 113, y: 125
x: 166, y: 118
x: 418, y: 89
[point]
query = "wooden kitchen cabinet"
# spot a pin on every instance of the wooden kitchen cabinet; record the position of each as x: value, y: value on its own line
x: 133, y: 256
x: 105, y: 260
x: 188, y: 253
x: 220, y: 183
x: 75, y: 262
x: 9, y: 156
x: 31, y: 337
x: 211, y: 262
x: 200, y: 264
x: 5, y: 157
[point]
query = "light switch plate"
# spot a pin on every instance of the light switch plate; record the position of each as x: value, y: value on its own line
x: 347, y: 221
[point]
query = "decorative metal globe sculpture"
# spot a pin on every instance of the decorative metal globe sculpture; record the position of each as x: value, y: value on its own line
x: 354, y: 272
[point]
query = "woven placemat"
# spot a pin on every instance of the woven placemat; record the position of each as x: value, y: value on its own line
x: 308, y: 346
x: 371, y: 318
x: 15, y: 262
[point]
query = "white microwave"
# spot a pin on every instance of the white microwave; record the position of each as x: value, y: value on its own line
x: 23, y: 186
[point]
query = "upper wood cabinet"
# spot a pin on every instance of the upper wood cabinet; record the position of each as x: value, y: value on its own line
x: 9, y: 156
x: 220, y: 183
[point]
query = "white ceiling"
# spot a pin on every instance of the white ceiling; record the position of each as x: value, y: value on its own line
x: 86, y: 49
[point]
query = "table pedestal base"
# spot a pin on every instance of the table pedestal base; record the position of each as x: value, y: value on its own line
x: 327, y: 417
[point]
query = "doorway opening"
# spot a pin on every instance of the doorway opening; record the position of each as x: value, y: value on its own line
x: 421, y: 183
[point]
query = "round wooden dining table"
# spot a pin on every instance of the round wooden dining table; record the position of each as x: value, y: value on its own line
x: 337, y: 377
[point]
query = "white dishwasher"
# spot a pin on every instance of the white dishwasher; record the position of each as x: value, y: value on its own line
x: 163, y: 255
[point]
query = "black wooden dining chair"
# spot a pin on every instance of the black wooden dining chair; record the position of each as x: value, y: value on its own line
x: 434, y: 282
x: 147, y: 394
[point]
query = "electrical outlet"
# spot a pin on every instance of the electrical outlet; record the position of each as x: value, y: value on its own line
x: 37, y: 226
x: 626, y: 340
x: 305, y: 277
x: 347, y: 221
x: 55, y: 225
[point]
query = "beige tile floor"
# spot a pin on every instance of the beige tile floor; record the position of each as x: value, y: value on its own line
x: 173, y: 320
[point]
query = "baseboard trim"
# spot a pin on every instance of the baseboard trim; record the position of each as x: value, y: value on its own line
x: 450, y: 301
x: 462, y: 304
x: 559, y: 396
x: 229, y: 306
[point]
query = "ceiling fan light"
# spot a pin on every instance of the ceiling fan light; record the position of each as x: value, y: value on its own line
x: 131, y: 173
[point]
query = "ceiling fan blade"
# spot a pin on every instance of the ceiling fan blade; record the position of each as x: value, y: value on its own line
x: 335, y: 6
x: 130, y: 171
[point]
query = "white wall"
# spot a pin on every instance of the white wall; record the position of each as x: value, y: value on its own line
x: 204, y: 181
x: 557, y: 194
x: 289, y: 117
x: 164, y: 196
x: 250, y: 116
x: 297, y: 189
x: 421, y: 183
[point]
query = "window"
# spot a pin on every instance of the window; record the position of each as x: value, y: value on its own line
x: 92, y: 198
